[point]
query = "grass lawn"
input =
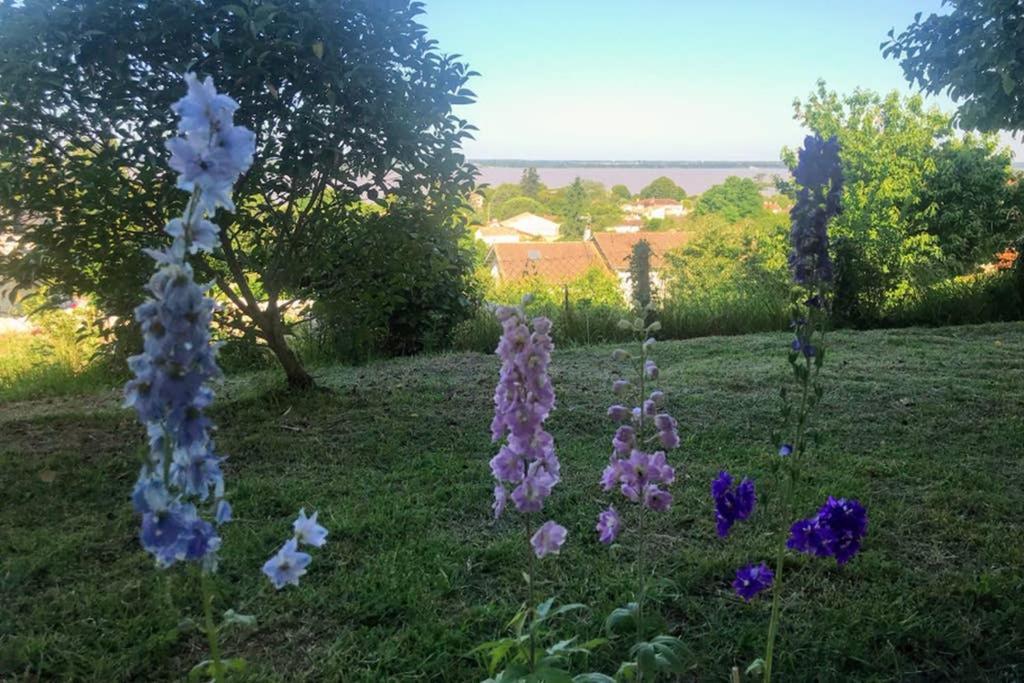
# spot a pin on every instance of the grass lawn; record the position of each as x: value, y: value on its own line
x: 923, y: 426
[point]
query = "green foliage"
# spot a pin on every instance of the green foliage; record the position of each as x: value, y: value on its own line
x: 729, y: 261
x: 967, y: 202
x: 513, y: 653
x: 903, y: 172
x: 733, y: 199
x: 973, y: 54
x: 965, y: 300
x: 518, y: 205
x: 337, y: 93
x: 596, y: 286
x: 640, y: 275
x: 662, y: 187
x: 57, y: 357
x: 573, y: 211
x: 530, y: 184
x: 389, y: 282
x: 621, y: 192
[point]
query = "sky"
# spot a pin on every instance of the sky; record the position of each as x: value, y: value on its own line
x: 662, y: 79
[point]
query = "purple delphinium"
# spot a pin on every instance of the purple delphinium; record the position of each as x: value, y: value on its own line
x: 752, y: 579
x: 548, y: 539
x: 641, y: 475
x: 732, y: 503
x: 608, y: 525
x: 836, y: 531
x: 526, y: 463
x: 182, y: 479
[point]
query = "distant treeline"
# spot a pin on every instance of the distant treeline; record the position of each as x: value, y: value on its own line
x: 576, y: 163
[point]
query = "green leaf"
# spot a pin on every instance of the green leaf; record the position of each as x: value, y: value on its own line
x: 755, y: 667
x: 233, y: 618
x: 593, y: 678
x: 621, y: 619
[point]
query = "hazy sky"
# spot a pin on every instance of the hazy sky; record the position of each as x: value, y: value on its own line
x: 661, y: 79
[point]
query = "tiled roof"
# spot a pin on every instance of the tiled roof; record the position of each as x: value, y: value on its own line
x: 616, y: 248
x: 553, y: 261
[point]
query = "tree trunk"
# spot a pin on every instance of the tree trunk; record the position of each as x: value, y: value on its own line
x: 298, y: 378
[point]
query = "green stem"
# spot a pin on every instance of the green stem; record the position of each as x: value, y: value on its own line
x: 798, y: 450
x: 211, y: 628
x: 531, y: 605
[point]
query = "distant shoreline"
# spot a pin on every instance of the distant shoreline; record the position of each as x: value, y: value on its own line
x: 639, y: 163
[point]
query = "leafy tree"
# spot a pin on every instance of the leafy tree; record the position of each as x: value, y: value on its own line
x: 518, y: 205
x: 530, y: 184
x: 621, y: 192
x: 901, y: 167
x: 348, y: 100
x: 968, y: 203
x: 728, y: 260
x: 733, y: 199
x: 975, y: 54
x: 663, y: 188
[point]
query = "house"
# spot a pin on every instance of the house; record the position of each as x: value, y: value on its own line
x: 654, y: 208
x: 497, y: 234
x: 533, y: 225
x: 628, y: 224
x: 555, y: 262
x: 617, y: 248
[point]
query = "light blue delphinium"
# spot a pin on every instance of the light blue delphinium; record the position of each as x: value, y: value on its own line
x: 289, y: 564
x: 181, y: 479
x: 180, y: 488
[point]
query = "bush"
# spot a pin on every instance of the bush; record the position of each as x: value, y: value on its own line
x: 969, y: 299
x: 389, y: 283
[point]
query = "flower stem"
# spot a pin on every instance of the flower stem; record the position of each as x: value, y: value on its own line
x: 211, y: 628
x: 784, y: 503
x: 531, y: 604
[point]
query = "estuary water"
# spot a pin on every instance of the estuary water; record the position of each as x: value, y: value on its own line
x: 693, y: 180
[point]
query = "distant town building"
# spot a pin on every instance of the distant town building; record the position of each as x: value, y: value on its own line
x: 554, y: 262
x: 654, y: 208
x: 497, y: 234
x: 561, y: 262
x: 628, y: 224
x: 521, y: 227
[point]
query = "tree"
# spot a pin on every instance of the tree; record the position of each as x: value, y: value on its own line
x: 904, y: 197
x: 516, y: 206
x: 975, y: 54
x: 349, y: 101
x: 663, y: 188
x: 733, y: 199
x: 530, y: 184
x: 573, y: 211
x: 621, y: 192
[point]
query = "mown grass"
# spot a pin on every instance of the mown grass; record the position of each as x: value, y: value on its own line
x: 923, y: 426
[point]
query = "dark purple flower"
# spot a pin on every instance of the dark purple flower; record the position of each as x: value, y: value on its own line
x: 731, y: 504
x: 819, y: 175
x: 836, y: 531
x: 847, y: 522
x: 786, y: 450
x: 752, y: 579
